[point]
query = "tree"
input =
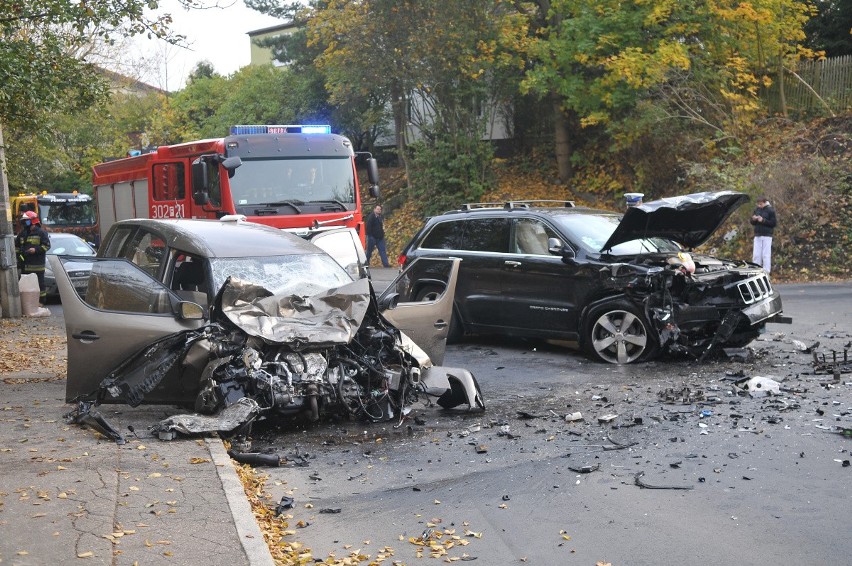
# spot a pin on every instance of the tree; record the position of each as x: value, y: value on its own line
x: 601, y: 58
x: 39, y: 68
x: 831, y: 29
x: 431, y: 63
x: 40, y: 72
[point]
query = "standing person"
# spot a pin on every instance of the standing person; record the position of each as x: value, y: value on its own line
x: 763, y: 219
x: 31, y: 245
x: 376, y: 235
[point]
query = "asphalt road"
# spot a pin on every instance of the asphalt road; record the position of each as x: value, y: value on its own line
x: 688, y: 472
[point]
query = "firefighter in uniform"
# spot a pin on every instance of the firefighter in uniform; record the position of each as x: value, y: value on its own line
x: 31, y: 245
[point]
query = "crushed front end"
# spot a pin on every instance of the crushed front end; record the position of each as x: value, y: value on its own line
x: 266, y: 356
x: 697, y: 304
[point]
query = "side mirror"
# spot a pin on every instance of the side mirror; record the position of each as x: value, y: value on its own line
x: 190, y: 311
x: 373, y: 177
x: 388, y: 302
x: 200, y: 182
x: 231, y: 163
x: 556, y: 247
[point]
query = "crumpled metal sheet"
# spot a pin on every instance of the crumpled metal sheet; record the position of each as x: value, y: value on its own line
x: 327, y: 318
x: 242, y: 412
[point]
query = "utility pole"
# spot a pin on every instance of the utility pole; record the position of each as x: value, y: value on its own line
x: 10, y: 296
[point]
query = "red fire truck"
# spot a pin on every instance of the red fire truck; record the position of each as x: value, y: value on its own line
x: 286, y: 176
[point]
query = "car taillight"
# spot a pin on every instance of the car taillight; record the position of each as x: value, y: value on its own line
x: 401, y: 260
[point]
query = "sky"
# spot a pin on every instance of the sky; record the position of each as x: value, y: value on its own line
x: 217, y: 35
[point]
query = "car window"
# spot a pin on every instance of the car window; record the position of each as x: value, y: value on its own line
x: 118, y: 285
x: 190, y: 279
x: 530, y: 237
x: 147, y: 250
x: 444, y: 236
x: 486, y: 235
x: 113, y: 247
x: 346, y: 249
x: 65, y: 245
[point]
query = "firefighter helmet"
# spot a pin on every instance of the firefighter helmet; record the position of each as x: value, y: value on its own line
x: 31, y: 216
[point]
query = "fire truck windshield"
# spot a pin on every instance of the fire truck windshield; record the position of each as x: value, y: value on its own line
x: 296, y: 181
x: 67, y: 213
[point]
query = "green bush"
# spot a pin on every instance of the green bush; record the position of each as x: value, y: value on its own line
x: 448, y: 172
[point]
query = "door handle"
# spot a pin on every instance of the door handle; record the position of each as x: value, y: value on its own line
x: 440, y: 324
x: 85, y: 335
x: 510, y: 263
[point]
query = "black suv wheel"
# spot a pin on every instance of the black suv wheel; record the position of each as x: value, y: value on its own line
x: 617, y: 333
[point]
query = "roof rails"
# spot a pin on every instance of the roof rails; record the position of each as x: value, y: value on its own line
x: 512, y: 204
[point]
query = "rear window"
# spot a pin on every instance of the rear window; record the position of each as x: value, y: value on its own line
x: 444, y: 236
x: 486, y: 235
x: 469, y: 234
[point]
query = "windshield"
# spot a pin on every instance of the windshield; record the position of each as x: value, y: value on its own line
x: 303, y: 275
x: 295, y: 181
x: 67, y: 213
x: 66, y: 244
x: 591, y: 231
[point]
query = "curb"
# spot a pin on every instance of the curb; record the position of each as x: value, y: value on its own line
x: 248, y: 530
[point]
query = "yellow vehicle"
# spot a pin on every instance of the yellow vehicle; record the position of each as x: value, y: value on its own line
x: 73, y: 212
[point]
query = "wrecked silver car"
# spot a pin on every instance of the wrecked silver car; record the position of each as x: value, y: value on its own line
x: 243, y: 322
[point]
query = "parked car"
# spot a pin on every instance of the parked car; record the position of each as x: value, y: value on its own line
x: 68, y: 245
x: 624, y: 286
x: 230, y: 314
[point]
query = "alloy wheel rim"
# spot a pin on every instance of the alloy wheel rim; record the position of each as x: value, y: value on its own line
x: 619, y: 337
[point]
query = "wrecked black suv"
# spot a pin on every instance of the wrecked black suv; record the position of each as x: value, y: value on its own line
x: 623, y: 286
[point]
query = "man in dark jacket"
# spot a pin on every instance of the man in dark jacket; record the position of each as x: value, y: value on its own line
x: 31, y: 245
x: 764, y: 222
x: 376, y: 235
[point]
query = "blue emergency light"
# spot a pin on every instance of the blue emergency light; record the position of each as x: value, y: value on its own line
x: 280, y: 129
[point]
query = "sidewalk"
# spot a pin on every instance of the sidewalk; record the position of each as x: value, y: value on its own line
x: 68, y: 495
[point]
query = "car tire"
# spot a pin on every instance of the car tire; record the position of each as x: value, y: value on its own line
x: 428, y: 293
x: 432, y: 292
x: 741, y: 339
x: 617, y: 332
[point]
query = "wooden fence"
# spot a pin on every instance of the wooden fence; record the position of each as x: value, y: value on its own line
x: 831, y: 79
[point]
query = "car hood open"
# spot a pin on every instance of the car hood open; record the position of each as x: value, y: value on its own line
x: 688, y: 219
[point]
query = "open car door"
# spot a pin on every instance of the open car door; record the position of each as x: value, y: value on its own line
x: 122, y: 311
x: 426, y: 322
x: 344, y: 245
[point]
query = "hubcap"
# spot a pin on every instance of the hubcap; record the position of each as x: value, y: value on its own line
x: 619, y: 337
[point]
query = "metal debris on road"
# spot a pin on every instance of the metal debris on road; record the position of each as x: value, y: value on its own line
x: 585, y: 469
x: 638, y: 480
x: 284, y: 504
x: 824, y: 365
x: 683, y: 396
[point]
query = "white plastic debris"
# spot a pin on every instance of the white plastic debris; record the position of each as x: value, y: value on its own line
x: 759, y: 386
x: 574, y: 417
